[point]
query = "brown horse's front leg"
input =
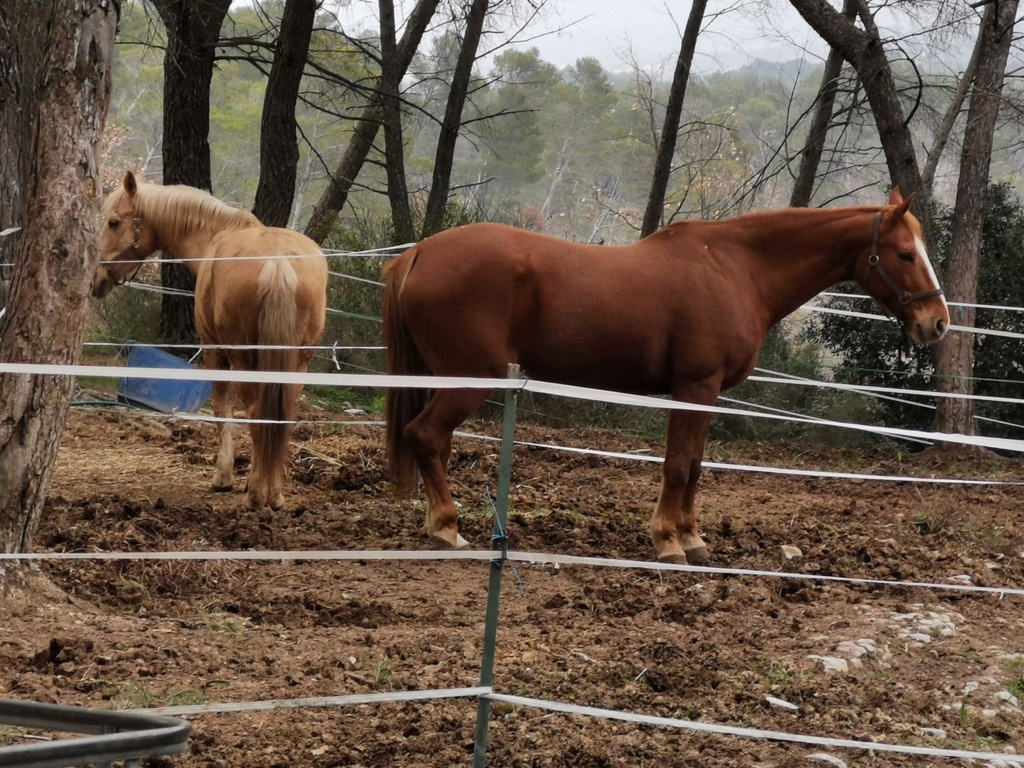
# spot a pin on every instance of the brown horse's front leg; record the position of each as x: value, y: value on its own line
x: 674, y: 524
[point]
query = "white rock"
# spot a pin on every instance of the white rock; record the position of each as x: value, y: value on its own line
x: 919, y: 637
x: 822, y: 757
x: 962, y: 578
x: 831, y: 663
x: 1009, y: 698
x: 790, y: 552
x: 781, y: 704
x: 854, y: 649
x: 970, y: 688
x: 935, y: 733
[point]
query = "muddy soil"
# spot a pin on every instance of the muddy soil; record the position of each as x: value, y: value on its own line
x: 923, y: 666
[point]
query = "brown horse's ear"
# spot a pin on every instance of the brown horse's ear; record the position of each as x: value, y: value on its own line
x: 129, y: 183
x: 895, y: 197
x: 902, y: 206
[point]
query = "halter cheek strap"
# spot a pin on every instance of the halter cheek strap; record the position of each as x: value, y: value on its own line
x: 874, y: 265
x: 136, y: 244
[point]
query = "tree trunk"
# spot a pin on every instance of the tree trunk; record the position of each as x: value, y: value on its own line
x: 394, y: 144
x: 956, y: 353
x: 864, y: 51
x: 670, y: 128
x: 279, y: 147
x: 437, y: 201
x: 55, y: 58
x: 810, y: 157
x: 192, y: 29
x: 333, y: 198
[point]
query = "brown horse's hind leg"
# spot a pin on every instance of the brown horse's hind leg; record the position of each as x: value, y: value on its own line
x: 430, y: 434
x: 674, y: 524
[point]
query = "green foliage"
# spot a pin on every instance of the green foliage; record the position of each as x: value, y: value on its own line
x: 871, y: 353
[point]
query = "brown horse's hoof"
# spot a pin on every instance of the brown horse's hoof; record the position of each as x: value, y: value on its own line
x: 698, y: 556
x: 443, y: 544
x: 672, y: 558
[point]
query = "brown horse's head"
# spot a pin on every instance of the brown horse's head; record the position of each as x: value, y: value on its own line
x: 897, y: 274
x: 125, y: 240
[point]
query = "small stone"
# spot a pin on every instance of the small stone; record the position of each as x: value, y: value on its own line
x: 823, y: 757
x: 791, y: 552
x: 935, y: 733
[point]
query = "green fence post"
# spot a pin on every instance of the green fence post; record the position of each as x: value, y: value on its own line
x: 508, y: 434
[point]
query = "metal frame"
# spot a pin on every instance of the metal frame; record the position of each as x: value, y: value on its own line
x: 112, y: 735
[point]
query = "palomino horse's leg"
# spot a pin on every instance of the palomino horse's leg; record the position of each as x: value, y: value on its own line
x: 223, y: 408
x: 430, y: 434
x: 674, y: 524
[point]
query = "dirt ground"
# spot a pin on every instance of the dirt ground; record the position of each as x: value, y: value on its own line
x: 923, y: 666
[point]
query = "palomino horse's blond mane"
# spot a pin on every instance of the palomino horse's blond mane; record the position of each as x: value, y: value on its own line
x: 186, y: 209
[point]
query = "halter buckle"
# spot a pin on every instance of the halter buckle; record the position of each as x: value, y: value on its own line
x: 137, y: 227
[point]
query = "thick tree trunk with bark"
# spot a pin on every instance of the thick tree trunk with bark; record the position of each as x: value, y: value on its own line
x: 824, y: 105
x: 192, y: 30
x: 956, y: 353
x: 279, y: 146
x: 55, y: 58
x: 334, y: 196
x: 670, y: 128
x: 437, y: 201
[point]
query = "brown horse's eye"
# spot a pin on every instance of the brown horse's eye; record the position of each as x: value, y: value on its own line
x: 113, y: 223
x: 907, y: 256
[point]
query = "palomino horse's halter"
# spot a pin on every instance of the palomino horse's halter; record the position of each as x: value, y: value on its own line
x: 137, y: 232
x: 904, y: 296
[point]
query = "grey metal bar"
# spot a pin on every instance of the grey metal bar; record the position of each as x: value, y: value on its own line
x: 119, y: 735
x: 508, y: 436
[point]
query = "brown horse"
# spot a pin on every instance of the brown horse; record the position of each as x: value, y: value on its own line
x: 277, y: 304
x: 682, y: 312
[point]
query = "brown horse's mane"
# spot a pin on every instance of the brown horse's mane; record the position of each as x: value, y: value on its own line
x: 187, y: 209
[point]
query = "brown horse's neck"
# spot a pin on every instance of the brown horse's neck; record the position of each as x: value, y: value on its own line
x: 801, y: 252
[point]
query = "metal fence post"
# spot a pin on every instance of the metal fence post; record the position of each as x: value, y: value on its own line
x: 500, y: 540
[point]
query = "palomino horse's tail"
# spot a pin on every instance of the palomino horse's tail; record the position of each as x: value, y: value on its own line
x: 404, y: 359
x: 278, y: 337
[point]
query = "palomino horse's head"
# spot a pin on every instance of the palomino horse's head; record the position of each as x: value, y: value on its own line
x: 897, y: 274
x: 124, y: 239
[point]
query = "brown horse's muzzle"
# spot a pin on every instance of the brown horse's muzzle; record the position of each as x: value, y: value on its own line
x: 927, y: 326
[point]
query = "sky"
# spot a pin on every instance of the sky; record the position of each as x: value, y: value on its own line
x: 735, y: 32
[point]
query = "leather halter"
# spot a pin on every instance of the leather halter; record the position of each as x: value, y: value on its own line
x: 136, y: 243
x: 874, y: 265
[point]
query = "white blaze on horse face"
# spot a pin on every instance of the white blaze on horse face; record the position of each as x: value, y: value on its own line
x: 923, y: 253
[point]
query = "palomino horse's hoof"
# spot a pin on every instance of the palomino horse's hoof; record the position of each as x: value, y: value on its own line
x: 698, y: 556
x: 672, y: 558
x: 443, y: 544
x: 222, y: 488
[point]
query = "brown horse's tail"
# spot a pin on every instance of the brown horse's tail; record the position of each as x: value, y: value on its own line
x: 404, y: 359
x: 278, y: 335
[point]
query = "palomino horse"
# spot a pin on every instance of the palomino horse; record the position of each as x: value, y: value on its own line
x: 682, y: 312
x: 274, y: 304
